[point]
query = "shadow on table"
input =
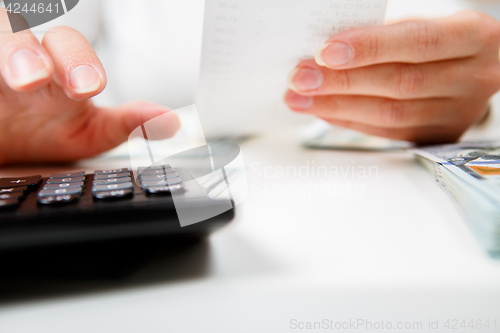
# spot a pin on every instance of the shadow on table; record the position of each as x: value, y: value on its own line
x: 61, y: 271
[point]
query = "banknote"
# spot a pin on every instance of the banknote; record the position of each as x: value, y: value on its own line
x: 469, y: 173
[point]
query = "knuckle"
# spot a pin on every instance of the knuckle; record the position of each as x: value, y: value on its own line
x: 370, y: 44
x: 393, y: 113
x: 486, y: 29
x: 425, y: 37
x: 409, y: 80
x: 340, y: 80
x: 487, y: 80
x: 327, y: 106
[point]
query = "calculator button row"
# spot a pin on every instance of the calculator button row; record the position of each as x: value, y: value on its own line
x: 104, y: 172
x: 61, y: 191
x: 112, y: 181
x: 112, y: 187
x: 150, y: 168
x: 21, y: 189
x: 161, y: 182
x: 12, y: 196
x: 115, y: 194
x: 62, y: 185
x: 112, y: 175
x: 68, y: 175
x: 9, y: 203
x: 158, y: 177
x: 58, y: 199
x: 162, y: 189
x: 156, y: 172
x: 65, y: 180
x: 31, y: 182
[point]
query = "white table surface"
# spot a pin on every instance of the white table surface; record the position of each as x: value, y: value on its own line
x: 397, y: 251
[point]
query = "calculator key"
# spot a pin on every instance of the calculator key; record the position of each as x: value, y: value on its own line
x: 58, y: 199
x: 158, y: 177
x: 62, y: 185
x: 68, y: 175
x: 112, y: 175
x: 141, y: 169
x: 112, y: 187
x: 101, y: 172
x: 112, y: 181
x: 9, y: 203
x: 115, y: 194
x: 16, y: 195
x: 161, y: 182
x: 153, y: 172
x: 21, y: 189
x: 61, y: 191
x: 162, y: 189
x: 32, y: 182
x: 65, y: 180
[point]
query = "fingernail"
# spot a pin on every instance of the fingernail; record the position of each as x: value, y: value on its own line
x: 305, y: 79
x: 334, y: 54
x: 26, y: 67
x: 298, y: 102
x: 84, y: 79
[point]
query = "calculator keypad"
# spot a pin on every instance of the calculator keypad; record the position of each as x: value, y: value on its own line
x: 112, y: 184
x: 31, y: 182
x: 158, y: 177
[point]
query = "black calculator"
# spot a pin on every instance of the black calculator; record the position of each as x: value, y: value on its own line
x: 107, y: 204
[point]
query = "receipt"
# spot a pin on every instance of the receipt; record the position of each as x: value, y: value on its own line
x: 249, y: 48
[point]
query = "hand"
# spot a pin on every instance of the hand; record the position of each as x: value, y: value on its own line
x: 425, y: 81
x: 45, y: 109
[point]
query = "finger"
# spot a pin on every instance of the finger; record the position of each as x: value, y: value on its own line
x: 77, y: 67
x: 400, y: 81
x: 458, y: 36
x: 109, y: 127
x: 24, y: 63
x: 374, y: 111
x: 420, y: 135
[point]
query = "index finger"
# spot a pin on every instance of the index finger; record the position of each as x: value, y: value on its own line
x: 459, y: 36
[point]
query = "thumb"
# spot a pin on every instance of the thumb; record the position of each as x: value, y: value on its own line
x: 113, y: 126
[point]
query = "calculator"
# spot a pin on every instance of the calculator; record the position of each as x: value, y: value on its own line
x: 107, y: 204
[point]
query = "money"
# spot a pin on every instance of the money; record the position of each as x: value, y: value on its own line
x: 470, y: 175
